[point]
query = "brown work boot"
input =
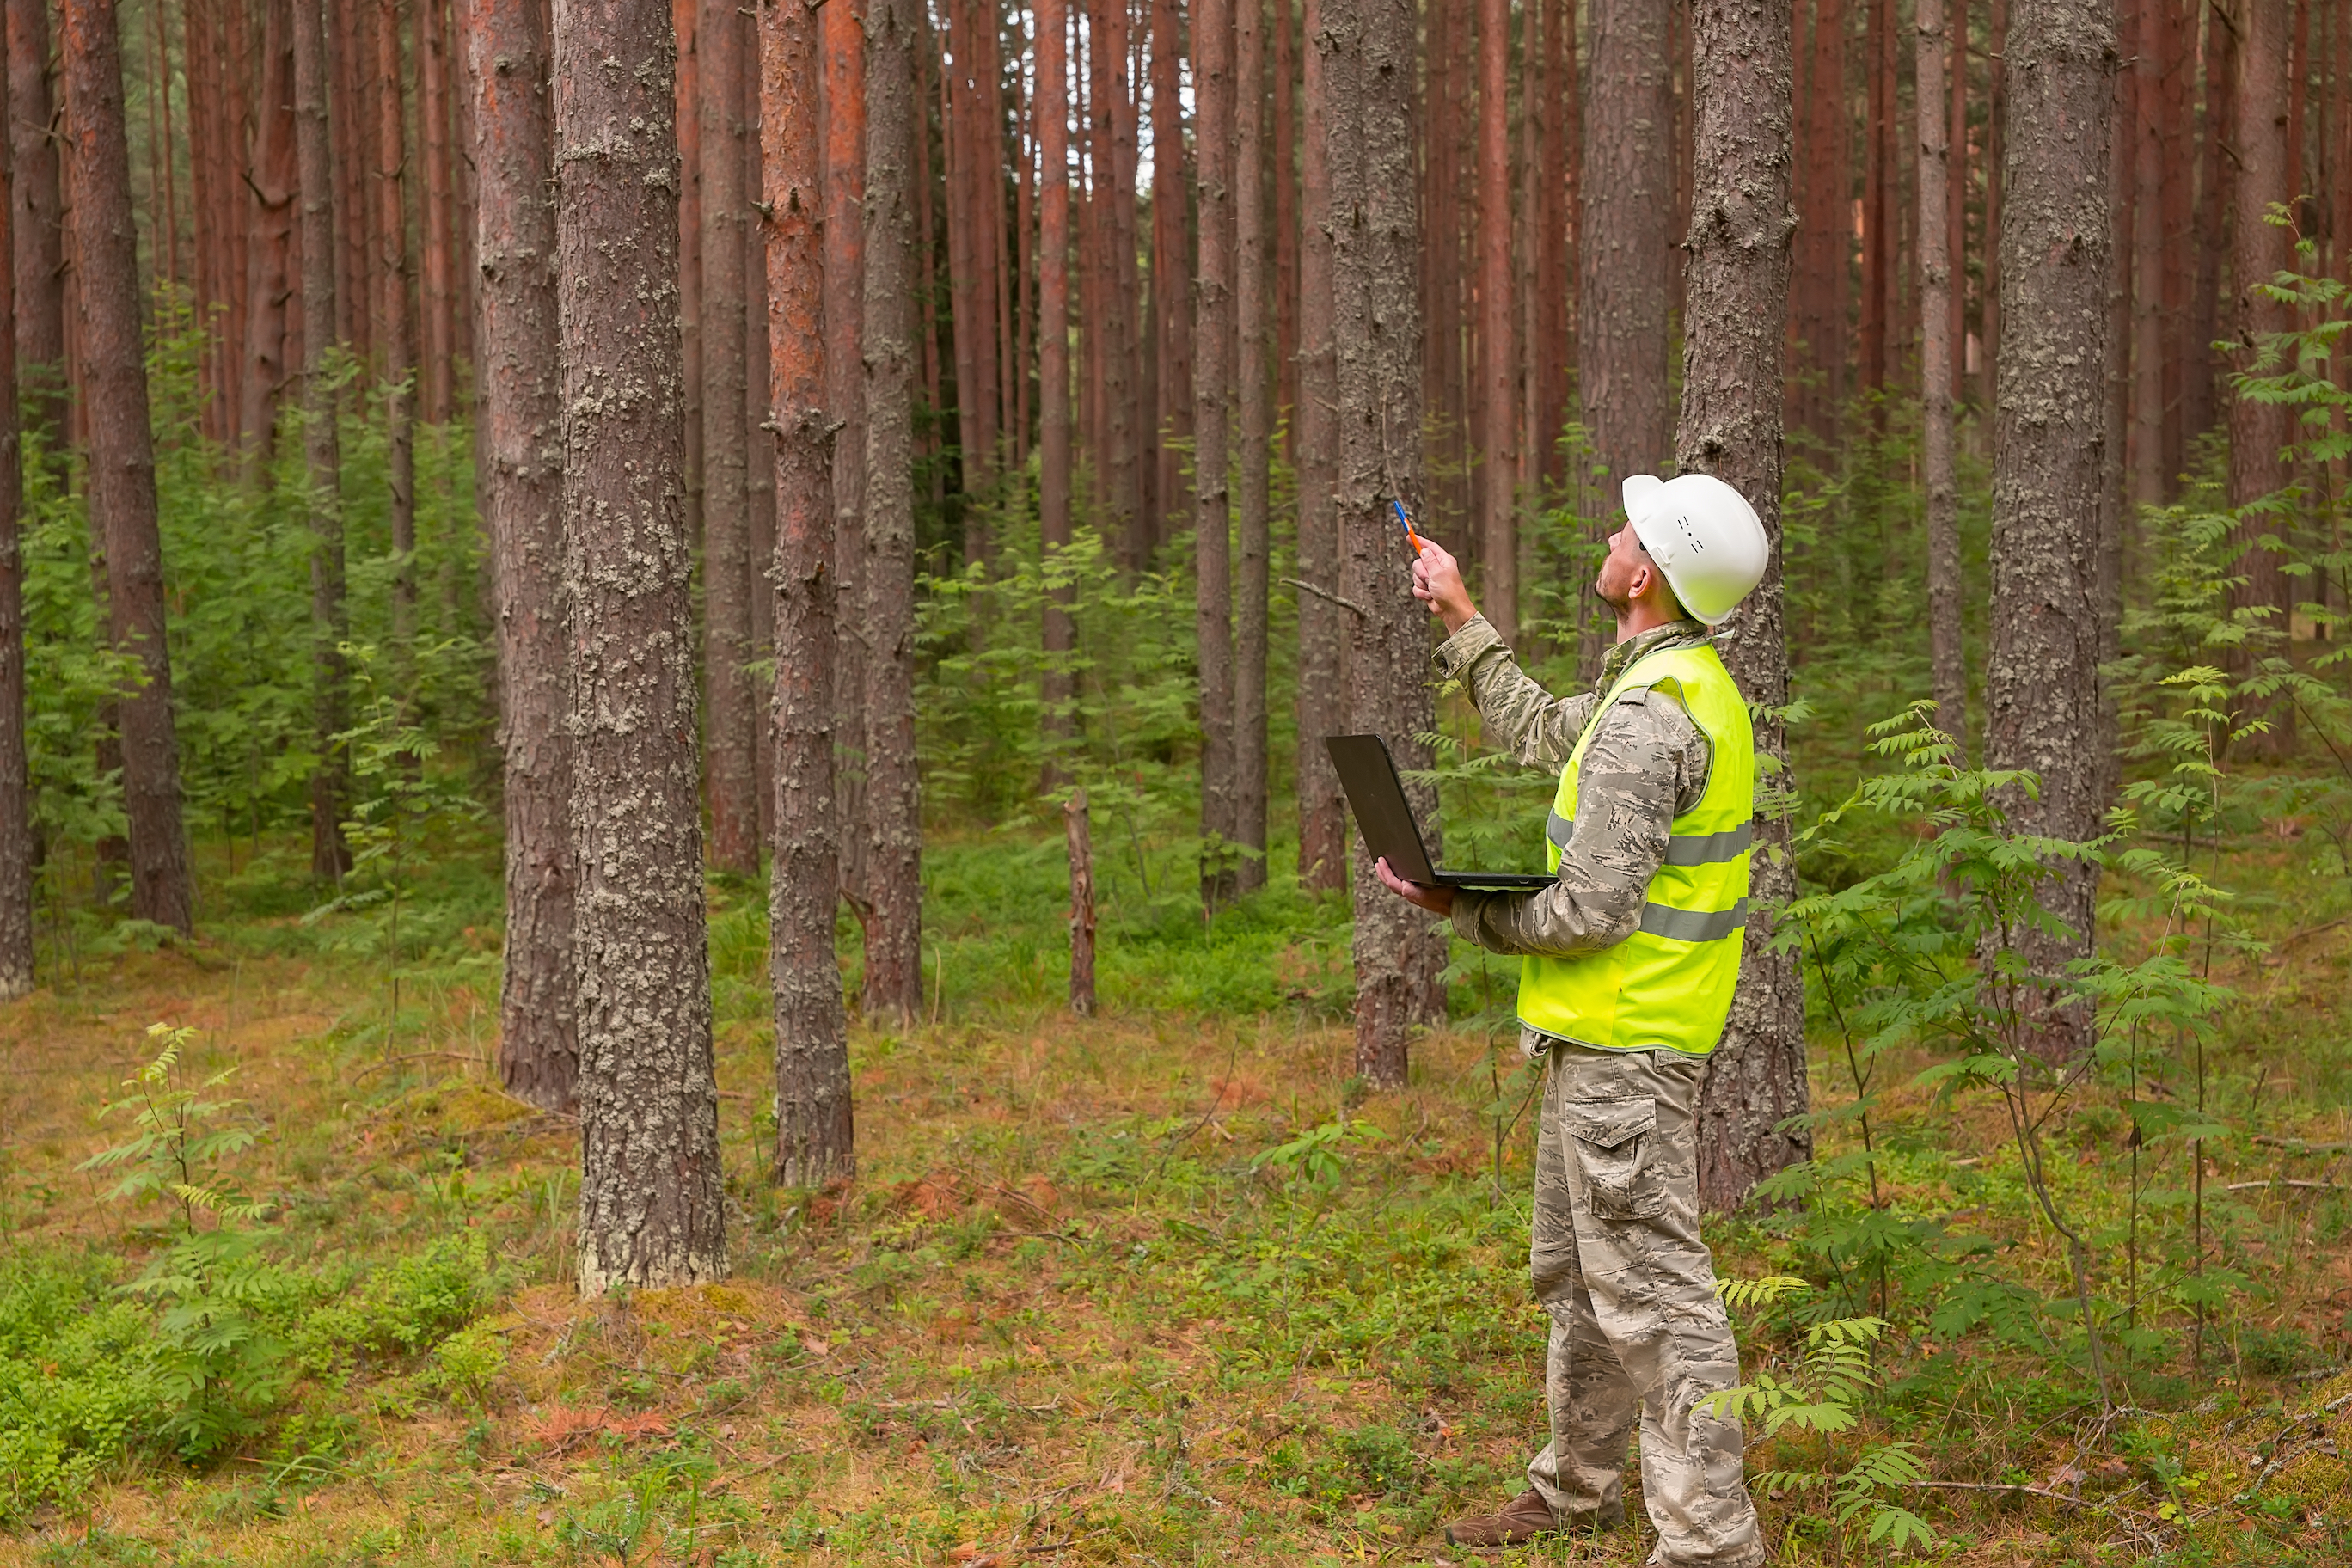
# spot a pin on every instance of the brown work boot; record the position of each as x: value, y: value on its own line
x: 1523, y: 1519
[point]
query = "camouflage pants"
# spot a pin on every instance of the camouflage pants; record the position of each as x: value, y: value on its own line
x: 1635, y: 1322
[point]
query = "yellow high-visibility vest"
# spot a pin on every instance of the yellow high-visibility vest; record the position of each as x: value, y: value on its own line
x: 1669, y: 985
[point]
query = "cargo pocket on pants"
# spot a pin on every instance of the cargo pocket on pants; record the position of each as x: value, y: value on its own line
x: 1612, y: 1140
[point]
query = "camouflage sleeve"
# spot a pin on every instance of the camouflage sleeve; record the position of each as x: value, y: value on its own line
x: 1520, y: 716
x: 1647, y: 761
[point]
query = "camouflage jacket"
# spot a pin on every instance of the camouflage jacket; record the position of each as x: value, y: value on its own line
x: 1648, y: 763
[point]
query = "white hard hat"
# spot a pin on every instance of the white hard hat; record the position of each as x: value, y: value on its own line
x: 1704, y: 536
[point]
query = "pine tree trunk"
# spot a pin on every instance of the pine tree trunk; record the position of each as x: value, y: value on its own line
x: 731, y: 760
x: 1625, y: 246
x: 1172, y: 266
x: 1498, y: 421
x: 2114, y: 486
x: 1400, y: 953
x: 15, y: 782
x: 894, y: 936
x: 123, y: 459
x: 1213, y: 350
x: 2259, y: 251
x: 1825, y: 229
x: 1079, y: 836
x: 843, y: 44
x: 1736, y: 284
x: 399, y: 335
x: 520, y: 422
x: 758, y: 413
x: 331, y: 857
x: 271, y: 183
x: 1322, y: 635
x: 38, y: 221
x: 1053, y: 442
x: 2042, y: 687
x: 1556, y: 259
x: 1946, y: 659
x: 437, y: 375
x: 1285, y: 221
x: 1877, y: 200
x: 1995, y: 159
x: 652, y: 1200
x: 354, y: 217
x: 1256, y: 408
x: 816, y: 1128
x: 974, y: 179
x: 685, y: 19
x: 1123, y: 523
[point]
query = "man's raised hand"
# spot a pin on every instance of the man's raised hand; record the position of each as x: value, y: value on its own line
x: 1438, y: 582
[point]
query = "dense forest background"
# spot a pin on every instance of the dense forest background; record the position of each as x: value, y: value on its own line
x: 695, y: 636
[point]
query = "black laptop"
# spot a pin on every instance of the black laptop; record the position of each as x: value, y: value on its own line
x: 1384, y: 816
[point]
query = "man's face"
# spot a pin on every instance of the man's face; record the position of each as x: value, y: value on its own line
x: 1626, y: 572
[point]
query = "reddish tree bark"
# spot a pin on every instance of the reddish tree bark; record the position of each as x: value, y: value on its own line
x: 436, y: 378
x: 2216, y: 176
x: 1171, y: 263
x: 271, y: 183
x: 1255, y: 406
x: 1285, y: 156
x: 1557, y: 206
x: 330, y: 856
x: 2139, y: 157
x: 1877, y: 201
x: 1213, y: 351
x: 520, y: 421
x: 1937, y: 285
x: 38, y: 221
x: 1624, y: 245
x: 1996, y: 142
x: 1123, y: 431
x: 815, y: 1128
x: 1498, y: 421
x: 123, y: 459
x: 399, y: 341
x: 16, y: 852
x: 354, y: 214
x: 2258, y: 250
x: 1824, y: 231
x: 730, y: 760
x: 1322, y: 636
x: 1054, y: 456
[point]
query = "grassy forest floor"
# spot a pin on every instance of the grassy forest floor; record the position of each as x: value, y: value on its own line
x: 1094, y: 1297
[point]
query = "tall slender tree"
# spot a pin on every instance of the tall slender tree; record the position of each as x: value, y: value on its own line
x: 39, y: 222
x: 521, y: 419
x: 652, y: 1193
x: 1499, y: 413
x: 1625, y: 242
x: 1825, y: 228
x: 2042, y: 685
x: 1171, y: 261
x: 1878, y: 192
x: 733, y: 762
x: 271, y: 183
x: 1254, y: 405
x: 1213, y: 358
x: 123, y: 459
x: 1561, y: 164
x: 392, y: 273
x: 2259, y: 251
x: 843, y: 82
x: 1322, y: 636
x: 815, y: 1131
x: 1053, y: 442
x: 1948, y: 669
x: 1376, y: 330
x: 15, y: 781
x: 322, y: 462
x: 1734, y: 345
x: 1123, y: 432
x: 894, y: 936
x: 437, y: 372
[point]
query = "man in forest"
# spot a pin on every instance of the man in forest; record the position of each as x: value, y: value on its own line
x: 1628, y: 962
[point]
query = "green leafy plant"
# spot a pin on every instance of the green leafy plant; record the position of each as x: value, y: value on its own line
x: 1822, y: 1391
x: 219, y: 1362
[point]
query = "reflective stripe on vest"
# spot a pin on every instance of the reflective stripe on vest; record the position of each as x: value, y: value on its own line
x: 1668, y: 984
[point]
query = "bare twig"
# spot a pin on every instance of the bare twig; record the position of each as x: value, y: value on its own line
x: 2284, y: 1182
x: 1326, y: 594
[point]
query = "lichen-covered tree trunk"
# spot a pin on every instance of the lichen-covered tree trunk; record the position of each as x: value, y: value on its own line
x: 123, y: 459
x: 2259, y: 251
x: 1400, y: 954
x: 652, y: 1208
x: 520, y: 421
x: 894, y: 855
x: 323, y: 463
x: 1736, y: 286
x: 1322, y: 635
x: 1255, y: 406
x: 1624, y: 244
x: 815, y: 1132
x: 16, y: 782
x: 1948, y: 670
x: 1212, y: 378
x: 38, y: 218
x: 2042, y: 680
x: 731, y: 760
